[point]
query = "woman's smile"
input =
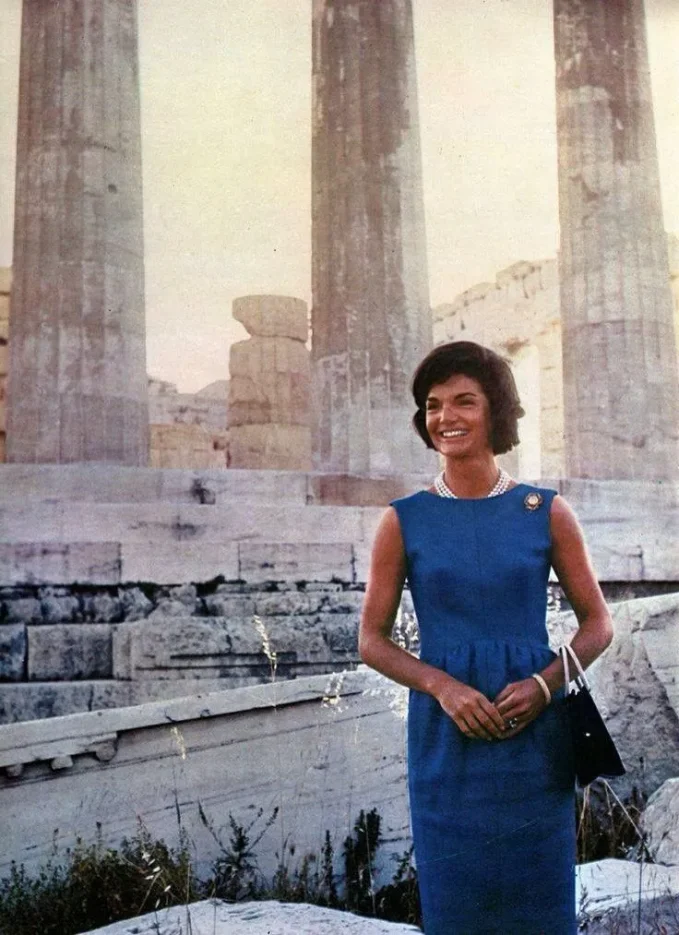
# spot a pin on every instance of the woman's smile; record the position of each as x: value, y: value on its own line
x: 458, y: 414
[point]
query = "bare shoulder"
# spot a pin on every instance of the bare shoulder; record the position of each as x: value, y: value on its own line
x: 563, y: 522
x: 388, y: 533
x: 561, y: 511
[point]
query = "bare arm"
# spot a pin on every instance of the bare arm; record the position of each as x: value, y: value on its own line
x: 474, y: 714
x: 573, y: 567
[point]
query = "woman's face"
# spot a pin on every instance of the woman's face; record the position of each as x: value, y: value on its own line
x: 458, y: 417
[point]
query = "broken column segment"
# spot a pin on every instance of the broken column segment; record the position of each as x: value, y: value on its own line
x: 268, y: 407
x: 619, y: 352
x: 371, y: 320
x: 77, y: 367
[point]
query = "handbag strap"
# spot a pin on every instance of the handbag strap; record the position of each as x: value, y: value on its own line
x: 566, y: 651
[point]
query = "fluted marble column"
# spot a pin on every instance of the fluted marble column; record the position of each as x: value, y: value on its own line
x: 621, y: 401
x: 371, y: 320
x: 77, y: 368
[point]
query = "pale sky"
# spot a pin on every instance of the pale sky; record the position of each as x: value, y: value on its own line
x: 226, y: 104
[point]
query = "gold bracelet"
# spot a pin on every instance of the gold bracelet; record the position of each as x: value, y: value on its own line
x: 543, y: 685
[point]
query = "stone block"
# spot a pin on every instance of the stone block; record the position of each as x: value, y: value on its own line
x: 135, y: 605
x: 23, y: 610
x: 172, y: 563
x: 259, y: 562
x: 60, y: 609
x: 276, y: 522
x: 612, y: 895
x: 361, y: 558
x: 272, y: 446
x: 59, y: 563
x: 225, y: 604
x: 69, y: 651
x: 169, y: 608
x: 101, y: 607
x: 661, y: 823
x: 5, y: 279
x: 214, y: 647
x: 12, y: 652
x: 28, y: 521
x: 288, y: 604
x: 39, y: 700
x: 233, y: 752
x: 270, y: 315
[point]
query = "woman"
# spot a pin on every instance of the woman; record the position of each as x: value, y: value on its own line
x: 490, y: 768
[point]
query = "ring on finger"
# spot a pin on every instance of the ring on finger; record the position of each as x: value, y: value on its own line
x: 512, y: 723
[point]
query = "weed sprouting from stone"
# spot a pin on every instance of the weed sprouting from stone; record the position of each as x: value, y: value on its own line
x: 332, y: 697
x: 267, y: 649
x: 179, y: 741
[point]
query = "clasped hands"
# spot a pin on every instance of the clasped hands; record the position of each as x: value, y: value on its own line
x: 477, y: 716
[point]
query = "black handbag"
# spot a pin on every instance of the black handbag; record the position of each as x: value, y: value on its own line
x: 595, y: 753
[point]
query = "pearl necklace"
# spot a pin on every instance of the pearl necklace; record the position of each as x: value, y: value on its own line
x: 501, y: 486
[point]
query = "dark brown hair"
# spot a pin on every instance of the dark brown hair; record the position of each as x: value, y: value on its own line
x: 491, y: 371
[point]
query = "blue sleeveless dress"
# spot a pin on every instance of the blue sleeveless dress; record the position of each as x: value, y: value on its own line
x: 493, y: 821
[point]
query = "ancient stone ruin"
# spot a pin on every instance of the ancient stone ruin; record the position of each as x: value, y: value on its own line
x: 186, y: 633
x: 270, y: 387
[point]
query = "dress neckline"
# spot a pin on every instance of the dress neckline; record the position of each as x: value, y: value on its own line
x: 474, y: 499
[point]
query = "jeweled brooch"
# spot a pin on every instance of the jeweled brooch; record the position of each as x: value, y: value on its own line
x: 533, y: 501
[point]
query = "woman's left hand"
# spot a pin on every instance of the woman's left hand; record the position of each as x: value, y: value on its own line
x: 522, y: 701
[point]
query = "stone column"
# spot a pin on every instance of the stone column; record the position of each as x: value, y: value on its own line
x: 5, y: 285
x: 77, y: 369
x: 371, y: 321
x: 621, y: 400
x: 268, y: 408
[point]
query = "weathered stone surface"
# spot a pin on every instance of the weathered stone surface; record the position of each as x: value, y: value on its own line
x: 227, y: 604
x: 272, y: 316
x: 280, y: 446
x: 612, y: 895
x: 23, y: 610
x: 214, y: 647
x: 371, y: 321
x: 661, y: 823
x: 173, y: 562
x: 69, y: 651
x: 77, y: 377
x: 60, y: 609
x: 168, y: 407
x: 60, y: 563
x: 297, y: 561
x: 135, y: 604
x: 621, y: 387
x: 12, y: 652
x: 270, y: 745
x: 97, y: 483
x: 636, y: 686
x: 269, y: 389
x: 255, y: 918
x: 101, y: 607
x: 169, y: 608
x: 185, y: 447
x: 39, y: 700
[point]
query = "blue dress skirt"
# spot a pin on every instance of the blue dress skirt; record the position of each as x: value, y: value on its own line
x: 493, y: 821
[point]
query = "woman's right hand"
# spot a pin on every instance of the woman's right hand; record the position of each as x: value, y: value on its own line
x: 471, y: 711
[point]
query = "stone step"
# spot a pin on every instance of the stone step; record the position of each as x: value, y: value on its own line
x: 111, y: 563
x: 105, y: 483
x: 166, y: 523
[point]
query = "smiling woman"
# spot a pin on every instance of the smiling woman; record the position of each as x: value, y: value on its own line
x: 490, y: 761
